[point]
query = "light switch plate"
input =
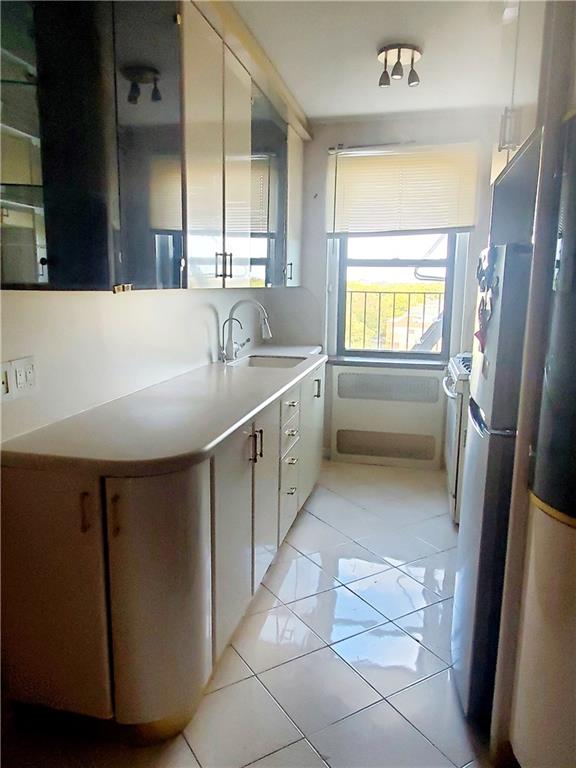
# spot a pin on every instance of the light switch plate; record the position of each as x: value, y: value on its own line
x: 19, y: 378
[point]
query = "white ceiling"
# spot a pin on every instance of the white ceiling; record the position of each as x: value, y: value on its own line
x: 326, y: 52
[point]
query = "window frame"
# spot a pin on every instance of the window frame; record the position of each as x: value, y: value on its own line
x: 341, y: 245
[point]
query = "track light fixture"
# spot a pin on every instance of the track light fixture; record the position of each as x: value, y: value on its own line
x: 141, y: 74
x: 406, y: 54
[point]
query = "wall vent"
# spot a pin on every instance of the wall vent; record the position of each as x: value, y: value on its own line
x: 376, y: 386
x: 390, y: 445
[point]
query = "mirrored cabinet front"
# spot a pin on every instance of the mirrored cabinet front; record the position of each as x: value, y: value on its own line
x: 137, y: 152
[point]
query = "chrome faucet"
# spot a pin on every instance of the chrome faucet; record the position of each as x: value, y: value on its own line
x: 229, y: 349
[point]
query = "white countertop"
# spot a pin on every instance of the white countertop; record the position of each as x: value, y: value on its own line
x: 165, y: 427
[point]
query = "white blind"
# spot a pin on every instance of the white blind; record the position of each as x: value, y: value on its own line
x: 260, y: 181
x: 409, y: 189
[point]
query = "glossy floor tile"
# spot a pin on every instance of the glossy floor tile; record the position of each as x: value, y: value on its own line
x: 318, y: 689
x: 438, y: 531
x: 393, y: 593
x: 431, y: 626
x: 265, y: 640
x: 309, y: 534
x: 349, y: 562
x: 436, y: 572
x: 263, y: 600
x: 388, y: 658
x: 336, y: 614
x: 433, y: 707
x: 397, y: 547
x: 299, y: 755
x: 237, y: 725
x: 377, y: 737
x: 231, y: 668
x: 295, y: 579
x: 342, y: 514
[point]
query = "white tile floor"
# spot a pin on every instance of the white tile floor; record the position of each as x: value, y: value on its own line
x: 343, y: 659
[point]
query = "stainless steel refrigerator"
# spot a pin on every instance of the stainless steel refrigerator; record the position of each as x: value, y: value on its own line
x: 503, y: 276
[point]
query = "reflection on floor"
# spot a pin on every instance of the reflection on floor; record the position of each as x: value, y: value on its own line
x: 344, y: 657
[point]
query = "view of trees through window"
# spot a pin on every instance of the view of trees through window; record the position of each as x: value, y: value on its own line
x: 394, y: 293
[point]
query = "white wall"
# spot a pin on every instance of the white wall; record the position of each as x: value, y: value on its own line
x: 91, y: 347
x: 420, y: 128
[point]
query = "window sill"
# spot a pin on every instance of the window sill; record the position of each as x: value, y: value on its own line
x: 388, y: 362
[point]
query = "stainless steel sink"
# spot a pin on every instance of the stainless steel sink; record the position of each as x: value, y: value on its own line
x: 268, y: 361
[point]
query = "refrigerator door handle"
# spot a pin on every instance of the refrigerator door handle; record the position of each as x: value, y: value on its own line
x: 448, y: 391
x: 479, y: 423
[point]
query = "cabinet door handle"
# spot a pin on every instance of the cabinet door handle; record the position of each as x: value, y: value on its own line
x: 216, y: 256
x: 291, y: 491
x: 292, y: 403
x: 229, y: 255
x: 291, y: 432
x: 261, y: 451
x: 289, y: 271
x: 84, y: 512
x: 292, y: 460
x: 318, y: 383
x: 254, y: 456
x: 115, y: 514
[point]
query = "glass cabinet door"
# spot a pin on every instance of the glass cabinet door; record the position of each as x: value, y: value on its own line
x: 269, y: 193
x: 148, y: 105
x: 237, y: 172
x: 203, y: 74
x: 23, y: 237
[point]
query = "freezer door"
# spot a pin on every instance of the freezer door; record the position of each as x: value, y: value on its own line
x: 495, y: 378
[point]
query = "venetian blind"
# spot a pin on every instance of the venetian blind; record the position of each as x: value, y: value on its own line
x: 409, y: 189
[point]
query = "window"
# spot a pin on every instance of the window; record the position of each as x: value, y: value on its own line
x: 395, y: 218
x: 395, y: 294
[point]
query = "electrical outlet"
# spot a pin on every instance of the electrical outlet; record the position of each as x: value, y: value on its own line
x: 18, y: 378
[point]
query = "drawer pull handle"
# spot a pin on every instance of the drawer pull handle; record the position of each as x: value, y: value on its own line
x: 291, y: 491
x: 292, y: 403
x: 114, y: 507
x: 84, y: 512
x: 292, y: 460
x: 291, y: 432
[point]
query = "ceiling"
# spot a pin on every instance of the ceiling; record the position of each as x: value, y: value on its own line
x: 326, y: 52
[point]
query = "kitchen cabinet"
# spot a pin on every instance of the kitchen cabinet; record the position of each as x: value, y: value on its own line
x: 237, y: 172
x: 203, y: 104
x: 266, y: 438
x: 232, y: 537
x: 311, y: 431
x: 160, y: 596
x: 294, y: 215
x: 55, y: 625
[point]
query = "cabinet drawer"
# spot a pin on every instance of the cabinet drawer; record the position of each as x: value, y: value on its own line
x: 289, y: 434
x: 290, y: 405
x: 288, y: 491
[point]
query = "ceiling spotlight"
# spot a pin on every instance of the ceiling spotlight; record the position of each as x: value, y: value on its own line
x: 134, y: 93
x: 141, y: 74
x: 405, y: 54
x: 398, y: 69
x: 384, y: 81
x: 413, y: 79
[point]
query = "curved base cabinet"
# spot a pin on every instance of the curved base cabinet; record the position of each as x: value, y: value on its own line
x: 543, y: 733
x: 121, y: 593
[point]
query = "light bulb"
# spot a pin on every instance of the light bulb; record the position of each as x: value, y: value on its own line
x: 134, y: 93
x: 398, y: 69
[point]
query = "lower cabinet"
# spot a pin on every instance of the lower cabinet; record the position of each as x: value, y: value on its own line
x: 120, y: 594
x: 160, y: 596
x: 54, y: 614
x: 265, y: 498
x: 312, y: 391
x: 232, y: 534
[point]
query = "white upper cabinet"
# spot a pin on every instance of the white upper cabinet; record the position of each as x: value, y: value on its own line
x: 237, y: 171
x: 55, y: 626
x: 203, y: 99
x: 294, y: 217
